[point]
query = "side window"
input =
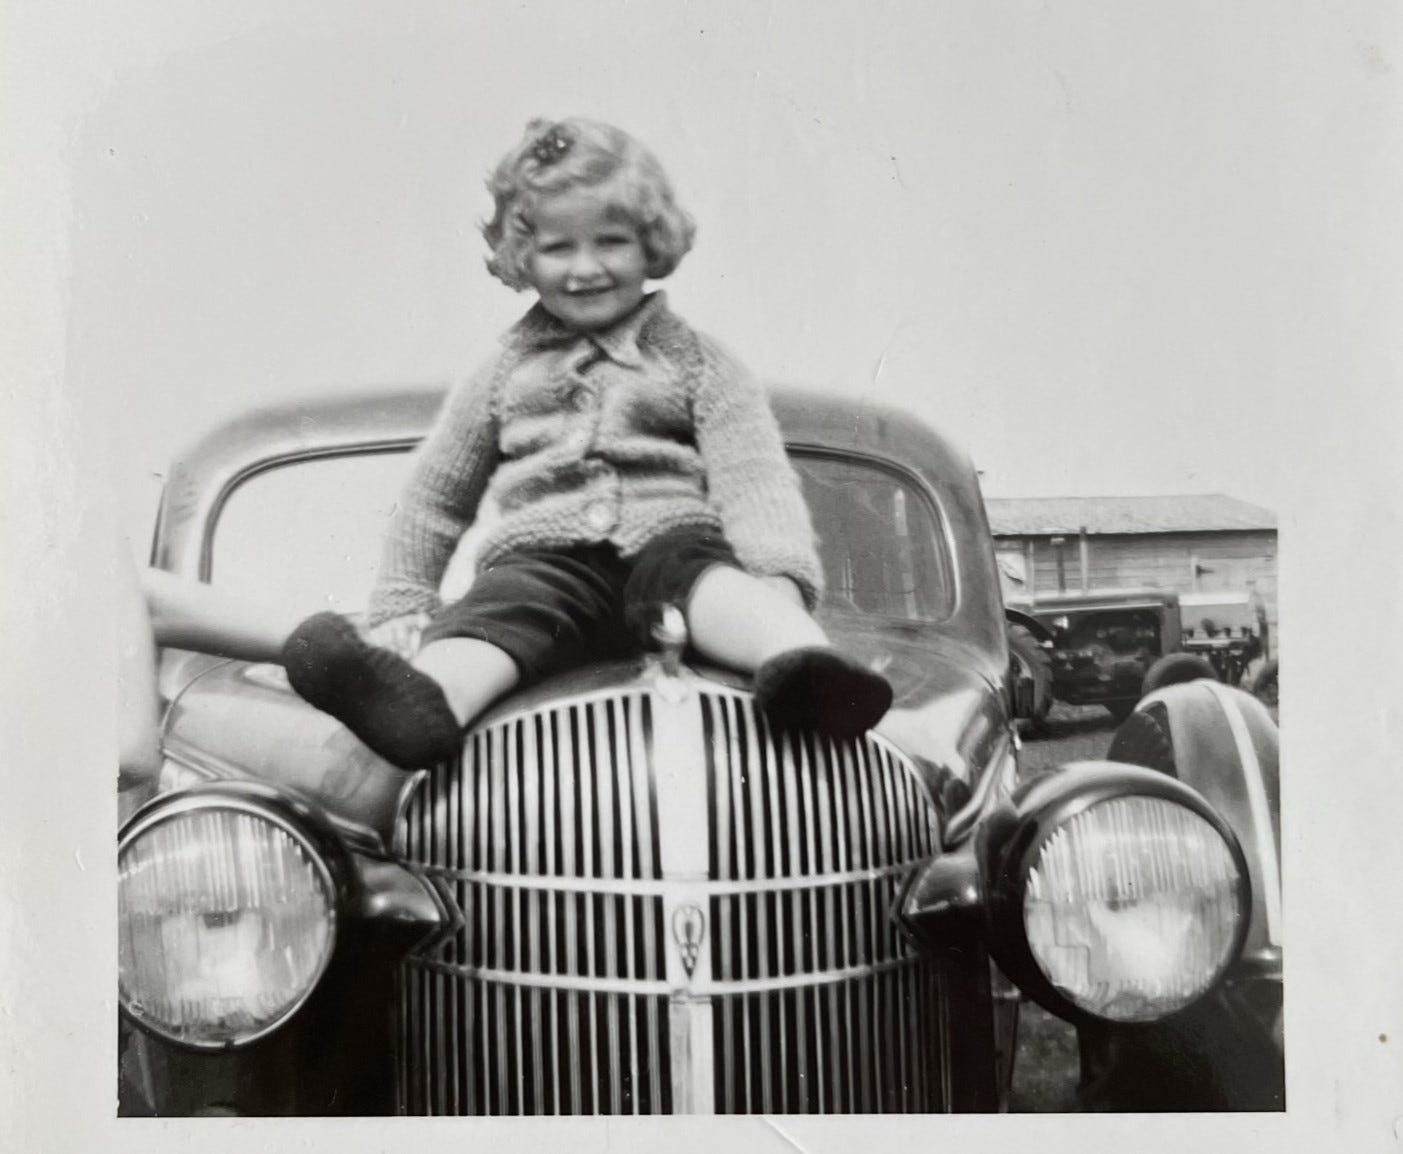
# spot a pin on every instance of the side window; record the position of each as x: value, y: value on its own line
x: 880, y: 542
x: 310, y: 531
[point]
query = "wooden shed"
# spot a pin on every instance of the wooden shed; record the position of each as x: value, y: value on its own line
x: 1199, y: 543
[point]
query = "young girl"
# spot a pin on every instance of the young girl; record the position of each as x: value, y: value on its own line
x: 634, y: 463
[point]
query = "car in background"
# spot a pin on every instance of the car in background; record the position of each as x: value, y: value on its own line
x: 1229, y: 629
x: 1099, y: 645
x: 630, y: 894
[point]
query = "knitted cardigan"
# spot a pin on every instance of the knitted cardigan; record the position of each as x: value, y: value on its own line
x: 585, y: 438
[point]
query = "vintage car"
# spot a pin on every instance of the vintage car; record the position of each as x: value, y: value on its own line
x: 1229, y: 629
x: 630, y: 894
x: 1099, y: 645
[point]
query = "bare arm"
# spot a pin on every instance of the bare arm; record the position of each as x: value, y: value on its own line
x: 138, y: 708
x: 188, y: 614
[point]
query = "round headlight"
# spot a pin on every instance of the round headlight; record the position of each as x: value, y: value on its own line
x: 227, y: 919
x: 1133, y: 908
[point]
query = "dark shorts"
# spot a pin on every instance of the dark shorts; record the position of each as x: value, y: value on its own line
x: 552, y: 609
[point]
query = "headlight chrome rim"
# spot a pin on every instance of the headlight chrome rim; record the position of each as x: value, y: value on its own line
x: 320, y: 847
x: 1048, y: 807
x: 1057, y: 862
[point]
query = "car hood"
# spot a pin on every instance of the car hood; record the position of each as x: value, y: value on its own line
x: 240, y: 721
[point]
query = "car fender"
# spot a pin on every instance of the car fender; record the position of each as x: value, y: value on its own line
x: 1223, y: 743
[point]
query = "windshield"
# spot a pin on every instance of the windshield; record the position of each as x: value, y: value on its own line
x: 311, y: 529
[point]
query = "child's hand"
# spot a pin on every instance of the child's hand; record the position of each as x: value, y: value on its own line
x: 399, y: 634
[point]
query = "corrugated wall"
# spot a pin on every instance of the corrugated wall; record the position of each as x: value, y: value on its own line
x: 1232, y: 560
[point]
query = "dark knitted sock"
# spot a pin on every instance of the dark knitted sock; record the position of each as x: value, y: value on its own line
x: 395, y: 709
x: 821, y: 689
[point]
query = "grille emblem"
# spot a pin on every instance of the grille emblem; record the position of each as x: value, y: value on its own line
x: 688, y: 930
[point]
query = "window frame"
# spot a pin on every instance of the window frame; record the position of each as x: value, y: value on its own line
x: 943, y: 543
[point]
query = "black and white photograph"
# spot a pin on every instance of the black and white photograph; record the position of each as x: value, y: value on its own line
x: 692, y: 559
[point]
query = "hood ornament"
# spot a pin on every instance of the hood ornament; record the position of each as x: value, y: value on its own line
x: 669, y: 633
x: 688, y: 931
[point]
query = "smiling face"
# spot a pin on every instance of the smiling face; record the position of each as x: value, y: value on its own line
x: 587, y: 262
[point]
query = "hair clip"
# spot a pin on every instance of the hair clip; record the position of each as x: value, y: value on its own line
x: 550, y: 147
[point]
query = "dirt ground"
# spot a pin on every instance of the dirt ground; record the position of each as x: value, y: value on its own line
x: 1045, y: 1069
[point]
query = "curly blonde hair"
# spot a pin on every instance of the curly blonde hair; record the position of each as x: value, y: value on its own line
x: 556, y: 155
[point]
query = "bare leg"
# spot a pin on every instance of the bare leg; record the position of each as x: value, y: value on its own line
x: 471, y: 673
x: 759, y: 625
x: 742, y: 621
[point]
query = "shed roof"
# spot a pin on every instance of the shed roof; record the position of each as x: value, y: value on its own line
x: 1192, y: 513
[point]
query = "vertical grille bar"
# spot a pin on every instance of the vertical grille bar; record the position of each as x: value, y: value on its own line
x: 828, y: 955
x: 496, y: 948
x: 874, y: 782
x: 797, y: 818
x: 457, y: 1037
x: 855, y: 755
x: 915, y: 846
x: 551, y: 819
x: 531, y: 798
x: 608, y: 787
x: 780, y: 812
x: 474, y: 914
x: 921, y: 841
x: 767, y: 852
x: 856, y: 766
x: 849, y: 1057
x: 902, y: 804
x: 628, y: 844
x: 859, y: 812
x: 648, y: 868
x: 740, y: 805
x: 847, y: 843
x: 845, y: 846
x: 588, y: 817
x: 811, y: 823
x: 721, y: 868
x: 642, y: 792
x: 515, y: 770
x: 570, y: 867
x: 892, y: 850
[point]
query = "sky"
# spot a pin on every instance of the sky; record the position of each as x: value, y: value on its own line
x: 1090, y: 242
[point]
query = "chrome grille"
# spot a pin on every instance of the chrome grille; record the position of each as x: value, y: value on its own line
x: 832, y: 1011
x: 860, y: 1045
x: 548, y: 998
x: 560, y: 989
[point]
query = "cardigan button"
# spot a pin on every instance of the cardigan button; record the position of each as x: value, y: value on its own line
x: 581, y: 398
x: 599, y: 516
